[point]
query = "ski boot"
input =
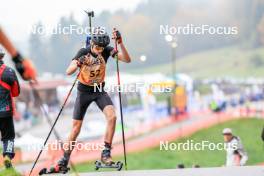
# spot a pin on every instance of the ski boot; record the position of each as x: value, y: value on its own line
x: 61, y: 167
x: 107, y: 161
x: 106, y: 157
x: 7, y: 162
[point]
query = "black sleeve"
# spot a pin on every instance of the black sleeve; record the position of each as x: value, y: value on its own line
x: 107, y: 52
x: 9, y: 76
x: 81, y: 52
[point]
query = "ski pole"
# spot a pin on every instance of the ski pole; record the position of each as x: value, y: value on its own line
x: 57, y: 118
x: 120, y: 105
x: 46, y: 114
x: 90, y: 15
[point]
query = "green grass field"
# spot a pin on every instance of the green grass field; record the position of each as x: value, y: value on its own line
x: 9, y: 172
x: 231, y: 61
x: 249, y: 131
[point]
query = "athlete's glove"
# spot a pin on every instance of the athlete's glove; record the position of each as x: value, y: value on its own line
x: 25, y: 67
x: 81, y: 60
x: 114, y: 53
x: 117, y: 36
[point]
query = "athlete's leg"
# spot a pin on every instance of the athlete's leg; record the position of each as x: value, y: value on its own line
x: 109, y: 112
x: 8, y: 136
x: 82, y: 102
x: 75, y: 131
x: 105, y: 104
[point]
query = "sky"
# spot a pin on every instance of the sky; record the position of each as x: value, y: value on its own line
x: 17, y: 17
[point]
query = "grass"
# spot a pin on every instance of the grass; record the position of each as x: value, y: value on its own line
x: 248, y: 130
x: 9, y: 172
x: 231, y: 61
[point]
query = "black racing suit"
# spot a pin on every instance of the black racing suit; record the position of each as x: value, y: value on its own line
x: 9, y: 88
x: 91, y: 75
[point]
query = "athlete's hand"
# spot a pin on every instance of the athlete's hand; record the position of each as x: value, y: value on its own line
x: 80, y: 61
x: 117, y: 36
x: 25, y: 68
x: 114, y: 52
x: 83, y: 60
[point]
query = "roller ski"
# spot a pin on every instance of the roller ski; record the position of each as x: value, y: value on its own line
x: 107, y: 162
x: 61, y: 167
x: 53, y: 170
x: 118, y: 165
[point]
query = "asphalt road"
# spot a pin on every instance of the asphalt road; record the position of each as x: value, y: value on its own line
x: 220, y: 171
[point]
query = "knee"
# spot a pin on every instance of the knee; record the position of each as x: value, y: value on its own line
x: 111, y: 118
x: 110, y: 114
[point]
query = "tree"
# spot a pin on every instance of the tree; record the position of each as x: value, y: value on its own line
x: 37, y: 48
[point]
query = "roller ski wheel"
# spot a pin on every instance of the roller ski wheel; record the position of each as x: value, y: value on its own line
x: 118, y: 165
x: 52, y: 170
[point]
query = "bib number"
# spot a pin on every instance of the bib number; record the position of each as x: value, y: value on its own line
x: 94, y: 73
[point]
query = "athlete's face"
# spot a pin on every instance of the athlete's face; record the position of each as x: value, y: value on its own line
x: 97, y: 49
x: 227, y: 137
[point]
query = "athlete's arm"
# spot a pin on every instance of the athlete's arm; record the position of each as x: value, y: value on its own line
x: 77, y: 61
x: 72, y: 67
x: 7, y: 44
x: 23, y: 66
x: 123, y: 55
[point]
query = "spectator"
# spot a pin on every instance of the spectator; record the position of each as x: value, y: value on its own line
x: 235, y: 153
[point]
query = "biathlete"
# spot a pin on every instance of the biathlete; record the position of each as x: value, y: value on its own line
x: 92, y: 62
x: 9, y: 88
